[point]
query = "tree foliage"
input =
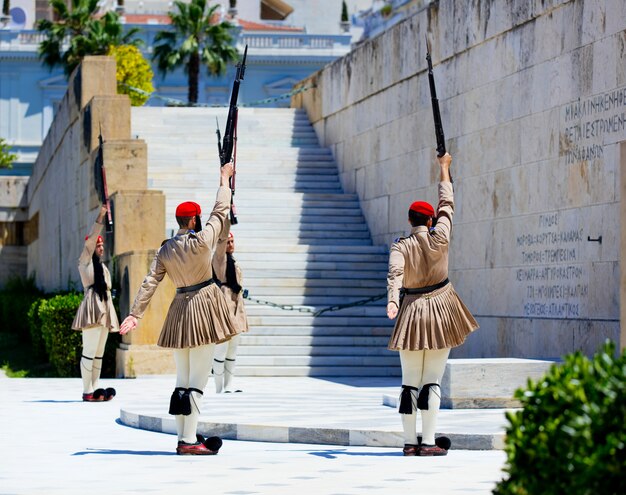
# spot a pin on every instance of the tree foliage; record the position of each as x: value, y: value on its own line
x: 133, y: 71
x: 196, y: 39
x: 570, y: 435
x: 344, y: 12
x: 6, y: 157
x: 79, y: 31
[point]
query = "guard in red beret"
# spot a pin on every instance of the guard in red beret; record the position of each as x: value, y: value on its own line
x: 96, y: 315
x: 431, y: 318
x: 198, y: 317
x: 227, y: 271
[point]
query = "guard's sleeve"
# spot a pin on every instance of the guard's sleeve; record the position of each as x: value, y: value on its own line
x: 215, y: 224
x: 219, y: 258
x: 90, y: 244
x: 149, y: 285
x: 445, y: 211
x: 395, y: 275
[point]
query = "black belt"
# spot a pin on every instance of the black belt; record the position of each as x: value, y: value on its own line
x: 191, y: 288
x: 424, y: 290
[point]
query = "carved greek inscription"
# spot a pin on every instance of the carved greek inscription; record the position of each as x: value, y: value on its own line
x: 586, y: 123
x: 553, y: 279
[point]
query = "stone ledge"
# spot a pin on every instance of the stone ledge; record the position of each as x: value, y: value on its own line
x: 487, y: 383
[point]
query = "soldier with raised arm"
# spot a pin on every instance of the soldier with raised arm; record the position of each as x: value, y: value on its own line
x: 96, y: 315
x: 431, y: 318
x: 198, y: 317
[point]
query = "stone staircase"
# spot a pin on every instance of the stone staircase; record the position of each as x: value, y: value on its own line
x: 300, y: 239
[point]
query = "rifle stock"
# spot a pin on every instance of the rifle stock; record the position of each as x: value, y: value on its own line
x: 226, y: 146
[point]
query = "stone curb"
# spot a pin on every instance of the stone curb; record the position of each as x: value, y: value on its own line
x: 299, y: 434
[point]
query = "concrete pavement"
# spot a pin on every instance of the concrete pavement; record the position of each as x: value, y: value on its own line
x: 52, y: 442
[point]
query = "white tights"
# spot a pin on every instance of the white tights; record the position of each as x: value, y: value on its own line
x: 419, y: 368
x: 94, y: 340
x: 224, y: 364
x: 193, y: 366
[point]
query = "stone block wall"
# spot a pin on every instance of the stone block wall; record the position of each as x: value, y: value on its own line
x: 533, y: 101
x: 63, y: 204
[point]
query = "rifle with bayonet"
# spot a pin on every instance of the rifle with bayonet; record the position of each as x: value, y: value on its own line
x: 441, y: 140
x: 100, y: 179
x: 225, y: 147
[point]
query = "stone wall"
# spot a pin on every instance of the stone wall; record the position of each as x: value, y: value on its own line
x: 63, y: 203
x: 533, y: 100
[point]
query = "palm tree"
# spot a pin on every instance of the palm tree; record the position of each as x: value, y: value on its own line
x: 82, y: 31
x: 195, y: 39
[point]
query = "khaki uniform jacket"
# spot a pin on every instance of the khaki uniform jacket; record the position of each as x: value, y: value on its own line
x: 93, y: 311
x: 438, y: 319
x: 421, y: 259
x: 186, y: 257
x: 234, y: 301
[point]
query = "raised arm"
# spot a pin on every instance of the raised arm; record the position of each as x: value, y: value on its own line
x: 445, y: 206
x: 92, y: 238
x: 219, y: 258
x: 215, y: 224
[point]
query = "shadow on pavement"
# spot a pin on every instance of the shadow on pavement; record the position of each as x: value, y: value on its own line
x: 52, y: 401
x: 334, y: 453
x: 123, y: 452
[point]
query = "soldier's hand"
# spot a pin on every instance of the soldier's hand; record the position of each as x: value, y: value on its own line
x: 392, y: 310
x: 102, y: 213
x: 228, y: 169
x: 129, y: 323
x: 445, y: 161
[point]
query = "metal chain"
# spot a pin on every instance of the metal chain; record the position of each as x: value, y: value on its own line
x: 314, y: 312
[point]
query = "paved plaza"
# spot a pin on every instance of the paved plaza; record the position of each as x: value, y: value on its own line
x: 52, y: 442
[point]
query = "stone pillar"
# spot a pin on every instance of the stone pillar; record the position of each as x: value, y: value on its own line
x: 136, y: 242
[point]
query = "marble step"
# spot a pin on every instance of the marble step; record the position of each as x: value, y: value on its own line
x: 250, y: 254
x: 253, y: 273
x: 243, y: 180
x: 282, y: 218
x: 315, y: 301
x: 319, y: 321
x: 314, y: 250
x: 269, y: 293
x: 304, y: 340
x: 258, y: 200
x: 256, y: 169
x: 321, y: 370
x: 305, y: 265
x: 391, y: 360
x: 331, y: 234
x: 330, y: 186
x: 324, y: 331
x: 255, y: 283
x: 263, y: 311
x: 316, y: 350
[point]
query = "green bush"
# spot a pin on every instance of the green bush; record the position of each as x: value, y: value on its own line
x: 15, y: 300
x: 63, y: 344
x: 34, y: 327
x: 570, y: 435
